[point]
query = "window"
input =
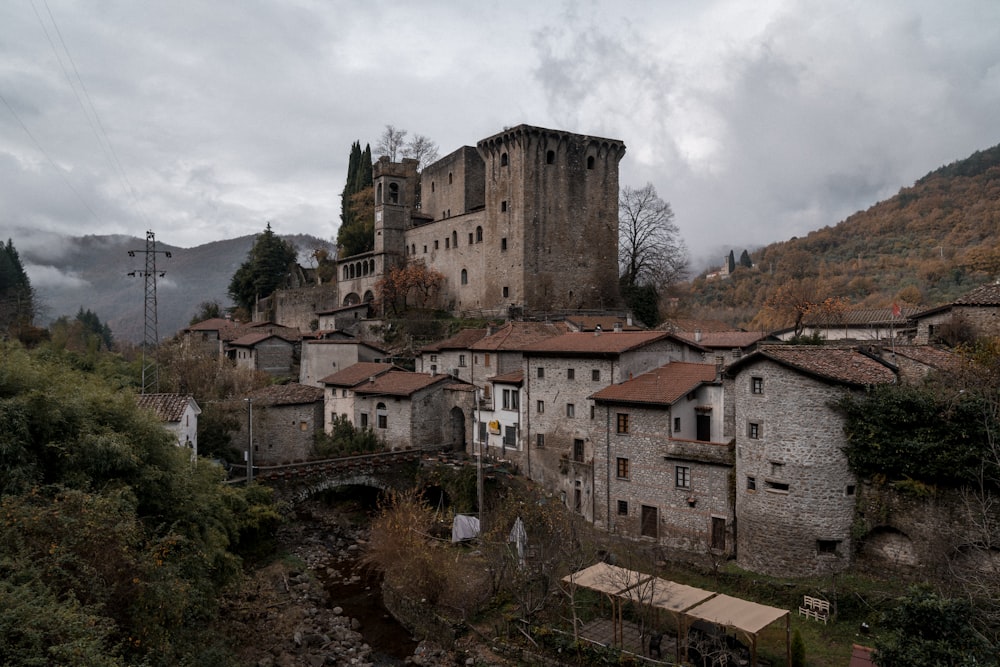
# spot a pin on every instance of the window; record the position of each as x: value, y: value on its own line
x: 682, y: 477
x: 465, y: 277
x: 461, y: 360
x: 394, y: 193
x: 751, y: 483
x: 470, y: 238
x: 776, y: 487
x: 540, y: 440
x: 677, y: 424
x: 622, y: 422
x: 503, y: 159
x: 570, y: 410
x: 578, y: 450
x: 425, y: 250
x: 303, y: 426
x: 479, y: 234
x: 753, y: 431
x: 550, y: 157
x: 756, y: 385
x: 454, y: 238
x: 590, y: 162
x: 382, y: 419
x: 595, y: 375
x: 827, y: 546
x: 436, y: 244
x: 510, y: 436
x: 510, y: 399
x: 622, y: 508
x: 503, y: 206
x: 447, y: 243
x: 570, y: 374
x: 622, y: 469
x: 364, y: 420
x: 506, y: 291
x: 503, y: 244
x: 849, y: 491
x: 482, y: 431
x: 541, y: 372
x: 434, y: 369
x: 592, y: 411
x: 649, y: 521
x: 540, y: 407
x: 486, y: 359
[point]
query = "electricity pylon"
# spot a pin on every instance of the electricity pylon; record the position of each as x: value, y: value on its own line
x: 151, y: 337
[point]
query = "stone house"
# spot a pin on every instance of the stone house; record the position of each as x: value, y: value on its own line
x: 286, y: 419
x: 324, y: 356
x: 661, y: 467
x: 724, y: 347
x: 560, y: 375
x: 265, y: 352
x: 506, y: 223
x: 858, y: 324
x: 178, y: 412
x: 795, y: 493
x: 974, y: 314
x: 343, y: 318
x: 915, y: 362
x: 404, y: 409
x: 452, y: 355
x: 501, y: 350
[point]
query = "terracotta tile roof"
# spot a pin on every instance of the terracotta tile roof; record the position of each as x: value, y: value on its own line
x: 833, y: 364
x: 292, y: 393
x: 606, y: 322
x: 249, y: 340
x: 460, y: 341
x: 458, y: 386
x: 514, y: 377
x: 928, y: 355
x: 679, y: 324
x: 589, y: 343
x: 725, y: 339
x: 356, y: 373
x: 661, y: 386
x: 516, y: 336
x: 861, y: 317
x: 984, y: 295
x: 212, y: 324
x: 166, y: 407
x: 400, y: 383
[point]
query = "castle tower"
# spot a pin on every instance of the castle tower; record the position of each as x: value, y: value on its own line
x: 552, y: 205
x: 396, y: 196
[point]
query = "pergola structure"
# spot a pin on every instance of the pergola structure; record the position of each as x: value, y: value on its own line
x: 688, y: 603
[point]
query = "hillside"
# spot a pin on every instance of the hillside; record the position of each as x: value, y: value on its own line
x: 923, y: 247
x: 95, y: 271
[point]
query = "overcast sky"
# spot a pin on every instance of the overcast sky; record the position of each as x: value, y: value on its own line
x: 757, y: 121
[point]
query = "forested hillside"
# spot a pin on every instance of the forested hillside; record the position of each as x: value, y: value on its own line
x: 923, y: 247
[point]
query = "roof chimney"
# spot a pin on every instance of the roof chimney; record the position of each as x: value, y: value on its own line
x: 618, y: 327
x: 697, y: 335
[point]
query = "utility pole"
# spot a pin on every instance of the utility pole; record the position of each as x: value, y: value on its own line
x: 249, y: 457
x: 151, y: 337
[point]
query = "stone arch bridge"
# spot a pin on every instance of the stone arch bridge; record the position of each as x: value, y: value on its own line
x: 296, y: 482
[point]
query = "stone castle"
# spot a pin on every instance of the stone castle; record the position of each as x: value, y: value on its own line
x: 524, y: 223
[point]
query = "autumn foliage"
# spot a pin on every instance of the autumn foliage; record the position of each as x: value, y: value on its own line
x: 411, y: 285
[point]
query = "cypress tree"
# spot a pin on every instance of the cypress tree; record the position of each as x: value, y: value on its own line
x: 355, y: 233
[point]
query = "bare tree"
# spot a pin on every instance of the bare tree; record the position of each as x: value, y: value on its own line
x: 421, y: 149
x: 392, y: 142
x: 650, y: 250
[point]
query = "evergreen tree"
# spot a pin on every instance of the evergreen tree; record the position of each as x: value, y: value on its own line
x: 731, y: 262
x: 268, y: 264
x: 745, y: 260
x: 356, y: 229
x: 17, y: 298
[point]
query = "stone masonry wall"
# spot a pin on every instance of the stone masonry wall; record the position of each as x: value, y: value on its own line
x: 797, y: 519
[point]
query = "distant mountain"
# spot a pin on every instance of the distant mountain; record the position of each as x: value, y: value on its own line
x: 91, y: 272
x: 925, y: 246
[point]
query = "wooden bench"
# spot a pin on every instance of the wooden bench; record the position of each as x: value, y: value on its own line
x: 815, y: 608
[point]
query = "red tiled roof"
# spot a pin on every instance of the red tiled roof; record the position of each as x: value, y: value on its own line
x: 249, y: 340
x: 984, y: 295
x: 834, y: 364
x: 212, y: 324
x: 928, y: 355
x: 860, y: 317
x: 661, y: 386
x: 516, y: 336
x: 514, y: 377
x: 166, y: 407
x: 292, y: 393
x: 356, y: 373
x: 725, y: 339
x: 400, y: 383
x: 588, y: 343
x: 460, y: 341
x: 679, y: 324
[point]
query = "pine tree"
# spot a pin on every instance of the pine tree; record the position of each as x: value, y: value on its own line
x: 745, y: 260
x: 17, y: 298
x: 268, y: 264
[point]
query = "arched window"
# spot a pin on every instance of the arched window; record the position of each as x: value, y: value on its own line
x: 454, y: 238
x: 550, y: 157
x: 449, y: 178
x: 378, y: 194
x: 465, y: 277
x: 371, y: 266
x: 503, y: 159
x: 479, y: 234
x: 346, y: 272
x: 590, y: 162
x: 394, y: 193
x: 432, y: 186
x: 381, y: 418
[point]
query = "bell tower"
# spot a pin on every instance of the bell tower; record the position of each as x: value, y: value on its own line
x: 395, y: 198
